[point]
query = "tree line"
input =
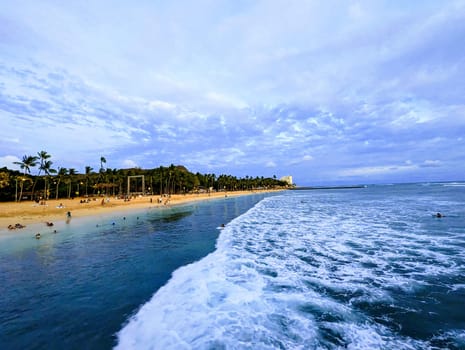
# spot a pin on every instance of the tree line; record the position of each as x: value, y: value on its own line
x: 61, y: 182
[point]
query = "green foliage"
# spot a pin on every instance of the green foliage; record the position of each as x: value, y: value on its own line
x: 66, y: 183
x: 4, y: 179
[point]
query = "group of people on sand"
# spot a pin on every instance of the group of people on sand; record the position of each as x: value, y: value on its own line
x: 17, y: 226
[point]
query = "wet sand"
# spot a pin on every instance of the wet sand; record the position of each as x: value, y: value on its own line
x: 27, y: 212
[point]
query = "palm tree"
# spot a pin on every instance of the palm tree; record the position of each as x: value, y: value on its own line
x: 47, y: 168
x: 161, y: 180
x: 27, y: 163
x: 61, y: 173
x: 170, y: 174
x: 42, y: 156
x: 101, y: 171
x: 88, y: 171
x: 71, y: 173
x: 102, y: 160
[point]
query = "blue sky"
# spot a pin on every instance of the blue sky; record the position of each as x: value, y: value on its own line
x: 326, y: 91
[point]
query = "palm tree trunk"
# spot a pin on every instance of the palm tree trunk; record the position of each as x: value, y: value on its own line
x: 34, y: 187
x: 21, y: 192
x: 58, y: 184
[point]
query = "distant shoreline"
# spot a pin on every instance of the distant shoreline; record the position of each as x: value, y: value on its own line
x: 326, y: 187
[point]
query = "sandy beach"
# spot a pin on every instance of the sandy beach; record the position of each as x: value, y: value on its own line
x: 27, y: 212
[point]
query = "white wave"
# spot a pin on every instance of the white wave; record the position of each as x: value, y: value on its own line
x: 296, y: 273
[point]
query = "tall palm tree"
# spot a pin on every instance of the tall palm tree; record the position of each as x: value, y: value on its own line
x: 60, y: 175
x: 42, y: 156
x: 47, y: 168
x: 71, y: 173
x: 26, y: 164
x: 161, y: 180
x: 88, y: 171
x: 101, y: 171
x: 102, y: 161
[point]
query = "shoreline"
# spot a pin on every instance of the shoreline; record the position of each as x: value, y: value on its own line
x: 31, y: 213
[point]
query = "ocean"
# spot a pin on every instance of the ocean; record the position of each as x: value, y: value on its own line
x: 365, y: 268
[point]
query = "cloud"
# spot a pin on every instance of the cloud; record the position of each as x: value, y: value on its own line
x: 431, y: 163
x: 307, y: 158
x: 376, y: 170
x: 340, y: 91
x: 156, y: 105
x: 128, y: 163
x: 222, y: 100
x: 8, y: 161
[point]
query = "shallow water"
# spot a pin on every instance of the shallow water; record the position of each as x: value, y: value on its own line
x: 76, y: 288
x: 367, y: 268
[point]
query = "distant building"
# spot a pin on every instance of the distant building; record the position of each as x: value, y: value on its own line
x: 287, y: 179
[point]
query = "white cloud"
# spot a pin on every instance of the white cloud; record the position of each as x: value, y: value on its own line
x: 307, y: 158
x: 155, y: 105
x: 128, y: 163
x: 271, y: 164
x: 431, y: 163
x: 222, y: 100
x: 8, y: 160
x: 375, y: 170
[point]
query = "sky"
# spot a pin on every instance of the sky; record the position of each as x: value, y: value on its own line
x: 330, y: 92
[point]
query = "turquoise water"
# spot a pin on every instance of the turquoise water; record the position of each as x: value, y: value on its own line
x: 76, y: 288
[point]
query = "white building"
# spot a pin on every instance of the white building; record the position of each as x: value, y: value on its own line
x: 287, y: 179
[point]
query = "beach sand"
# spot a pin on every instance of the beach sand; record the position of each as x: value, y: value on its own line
x: 28, y: 212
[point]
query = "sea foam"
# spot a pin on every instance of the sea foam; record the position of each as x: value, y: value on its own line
x: 305, y: 272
